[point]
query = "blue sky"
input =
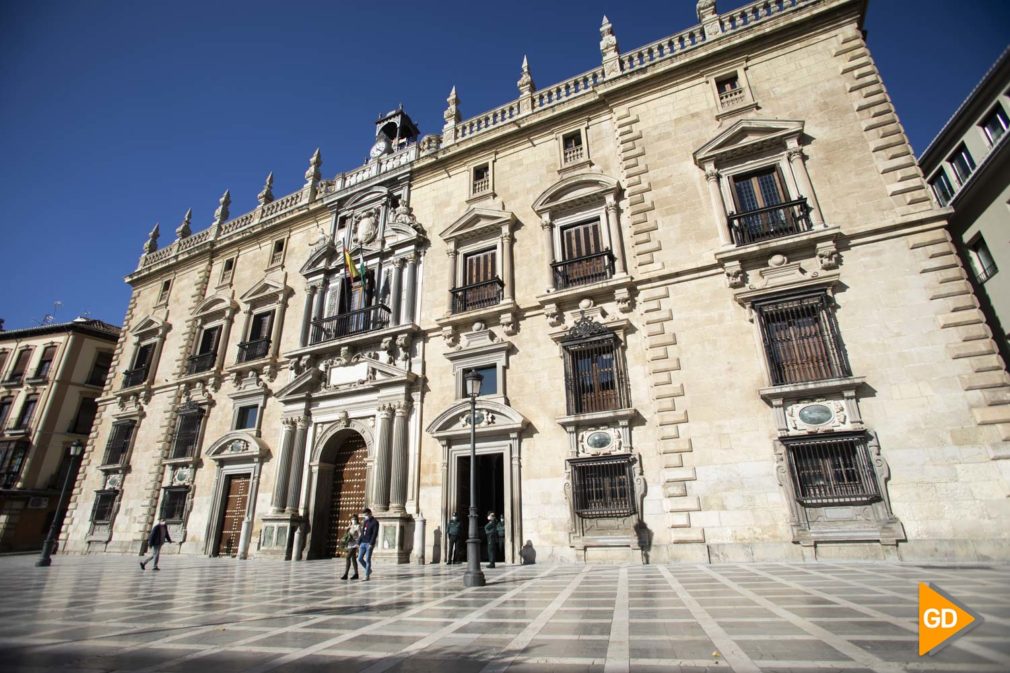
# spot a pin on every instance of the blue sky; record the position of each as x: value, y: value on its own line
x: 116, y: 115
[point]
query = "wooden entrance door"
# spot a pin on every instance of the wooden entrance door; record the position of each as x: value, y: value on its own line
x: 348, y: 492
x: 237, y: 490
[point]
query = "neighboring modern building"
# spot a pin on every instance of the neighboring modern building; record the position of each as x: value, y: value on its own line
x: 716, y: 313
x: 50, y: 377
x: 968, y: 168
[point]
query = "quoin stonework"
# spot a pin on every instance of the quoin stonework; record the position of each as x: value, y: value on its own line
x: 717, y: 315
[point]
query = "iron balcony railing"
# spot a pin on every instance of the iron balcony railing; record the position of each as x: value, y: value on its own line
x: 477, y: 295
x: 134, y: 377
x: 603, y: 487
x: 253, y: 350
x: 201, y: 362
x: 14, y: 379
x: 832, y: 470
x: 783, y: 219
x: 361, y: 320
x: 986, y: 272
x: 583, y: 270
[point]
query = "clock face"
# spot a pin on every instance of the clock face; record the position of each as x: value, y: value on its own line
x: 379, y: 148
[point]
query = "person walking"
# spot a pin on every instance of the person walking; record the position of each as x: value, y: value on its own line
x: 350, y: 542
x: 366, y: 543
x: 159, y: 536
x: 491, y: 530
x: 453, y: 530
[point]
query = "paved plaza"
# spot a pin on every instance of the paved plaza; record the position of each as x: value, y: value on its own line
x: 220, y: 615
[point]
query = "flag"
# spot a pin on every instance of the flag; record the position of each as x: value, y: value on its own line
x: 349, y: 263
x: 361, y: 270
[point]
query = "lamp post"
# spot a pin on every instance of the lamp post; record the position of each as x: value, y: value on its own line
x: 76, y: 449
x: 473, y: 577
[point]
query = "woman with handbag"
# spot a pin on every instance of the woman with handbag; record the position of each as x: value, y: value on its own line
x: 350, y: 544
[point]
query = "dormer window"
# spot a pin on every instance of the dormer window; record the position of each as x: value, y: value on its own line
x: 480, y: 182
x: 572, y: 149
x: 166, y: 289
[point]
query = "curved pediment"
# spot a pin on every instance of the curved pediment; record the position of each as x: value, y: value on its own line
x: 320, y: 257
x: 479, y: 222
x: 747, y: 136
x: 366, y: 197
x: 238, y: 446
x: 493, y: 418
x: 575, y: 190
x: 214, y: 303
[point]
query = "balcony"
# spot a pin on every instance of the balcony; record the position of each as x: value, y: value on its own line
x: 201, y: 362
x: 134, y: 377
x: 362, y: 320
x: 253, y: 350
x: 14, y: 379
x: 583, y: 270
x: 784, y: 219
x: 572, y: 154
x: 731, y: 98
x: 985, y: 272
x: 477, y: 295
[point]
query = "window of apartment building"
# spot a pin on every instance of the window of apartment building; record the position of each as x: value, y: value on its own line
x: 5, y: 410
x: 801, y: 339
x: 246, y: 417
x: 480, y: 285
x: 206, y: 350
x: 100, y: 369
x: 572, y: 147
x: 488, y: 381
x: 105, y: 502
x: 981, y: 260
x: 45, y: 362
x: 138, y: 373
x: 594, y: 369
x: 119, y: 442
x: 227, y: 271
x: 20, y: 365
x: 603, y: 487
x: 942, y: 188
x: 166, y: 289
x: 3, y: 361
x: 480, y: 179
x: 27, y: 411
x: 277, y: 252
x: 187, y: 432
x: 85, y: 417
x: 962, y: 163
x: 257, y: 345
x: 12, y: 458
x: 173, y: 504
x: 833, y: 469
x: 995, y: 124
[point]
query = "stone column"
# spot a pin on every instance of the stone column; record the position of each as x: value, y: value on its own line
x: 453, y: 273
x: 507, y: 275
x: 614, y: 230
x: 410, y: 294
x: 394, y: 296
x: 310, y: 296
x: 297, y: 465
x: 398, y: 481
x: 718, y: 207
x: 222, y: 343
x: 380, y: 500
x: 547, y: 227
x: 275, y: 331
x: 280, y: 495
x: 799, y: 166
x: 320, y: 301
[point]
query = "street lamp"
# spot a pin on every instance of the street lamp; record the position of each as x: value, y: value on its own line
x: 76, y: 449
x: 473, y: 577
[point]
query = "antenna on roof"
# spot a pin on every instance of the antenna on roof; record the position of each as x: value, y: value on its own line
x: 50, y: 318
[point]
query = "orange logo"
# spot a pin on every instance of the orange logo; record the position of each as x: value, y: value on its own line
x: 941, y: 619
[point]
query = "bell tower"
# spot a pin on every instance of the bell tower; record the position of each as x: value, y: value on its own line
x: 393, y: 131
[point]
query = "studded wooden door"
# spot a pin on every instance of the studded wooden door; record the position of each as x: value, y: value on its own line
x: 348, y: 494
x: 237, y: 499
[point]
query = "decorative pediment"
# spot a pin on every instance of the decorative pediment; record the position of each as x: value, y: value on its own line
x: 747, y: 136
x: 267, y: 290
x: 478, y: 223
x: 368, y: 197
x: 363, y: 370
x: 305, y: 383
x: 238, y: 446
x: 320, y: 258
x: 575, y: 190
x: 216, y: 303
x: 150, y: 326
x: 492, y: 418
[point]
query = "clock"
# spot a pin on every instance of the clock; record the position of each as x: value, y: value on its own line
x: 380, y: 147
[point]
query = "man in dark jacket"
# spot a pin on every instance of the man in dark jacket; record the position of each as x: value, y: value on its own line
x: 159, y: 536
x: 453, y: 530
x: 369, y: 537
x: 491, y: 531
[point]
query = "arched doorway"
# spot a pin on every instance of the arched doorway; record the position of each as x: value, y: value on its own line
x: 341, y: 490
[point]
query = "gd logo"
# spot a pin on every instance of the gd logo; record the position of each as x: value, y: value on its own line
x: 941, y: 619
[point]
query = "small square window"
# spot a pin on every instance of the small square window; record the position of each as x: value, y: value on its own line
x: 572, y: 149
x: 481, y: 181
x: 166, y: 288
x: 488, y: 383
x: 245, y: 418
x: 227, y: 270
x: 277, y: 253
x: 995, y: 124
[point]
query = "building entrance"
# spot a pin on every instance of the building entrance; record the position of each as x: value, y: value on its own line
x: 347, y: 495
x: 236, y: 502
x: 490, y: 498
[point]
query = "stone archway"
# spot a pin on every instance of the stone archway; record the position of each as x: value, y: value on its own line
x: 339, y: 490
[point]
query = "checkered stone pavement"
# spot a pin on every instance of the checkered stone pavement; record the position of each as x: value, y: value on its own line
x: 102, y: 613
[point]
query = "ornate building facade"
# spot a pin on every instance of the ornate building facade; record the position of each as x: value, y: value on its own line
x: 716, y: 314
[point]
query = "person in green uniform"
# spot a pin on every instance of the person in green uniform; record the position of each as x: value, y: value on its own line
x: 491, y: 530
x: 500, y: 531
x: 452, y: 553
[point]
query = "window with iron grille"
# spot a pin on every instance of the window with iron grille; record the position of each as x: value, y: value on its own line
x: 105, y: 502
x: 833, y: 469
x: 119, y: 442
x: 603, y: 487
x: 981, y: 259
x: 277, y: 253
x: 801, y: 340
x: 173, y: 504
x: 187, y: 432
x: 85, y: 416
x: 595, y: 377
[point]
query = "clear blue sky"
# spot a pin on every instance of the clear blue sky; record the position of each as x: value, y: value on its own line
x: 115, y: 115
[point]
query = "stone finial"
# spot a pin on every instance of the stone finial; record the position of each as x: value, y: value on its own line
x: 152, y: 240
x: 313, y: 174
x: 609, y: 49
x: 221, y: 214
x: 184, y: 230
x: 451, y: 114
x: 266, y: 195
x: 525, y: 83
x: 708, y: 15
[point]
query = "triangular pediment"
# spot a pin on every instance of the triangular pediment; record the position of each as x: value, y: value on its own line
x: 380, y: 370
x: 575, y: 190
x: 747, y: 136
x: 477, y: 222
x: 266, y: 289
x: 304, y: 383
x: 215, y: 303
x: 149, y: 325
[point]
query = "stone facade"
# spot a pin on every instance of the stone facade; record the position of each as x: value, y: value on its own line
x: 715, y: 313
